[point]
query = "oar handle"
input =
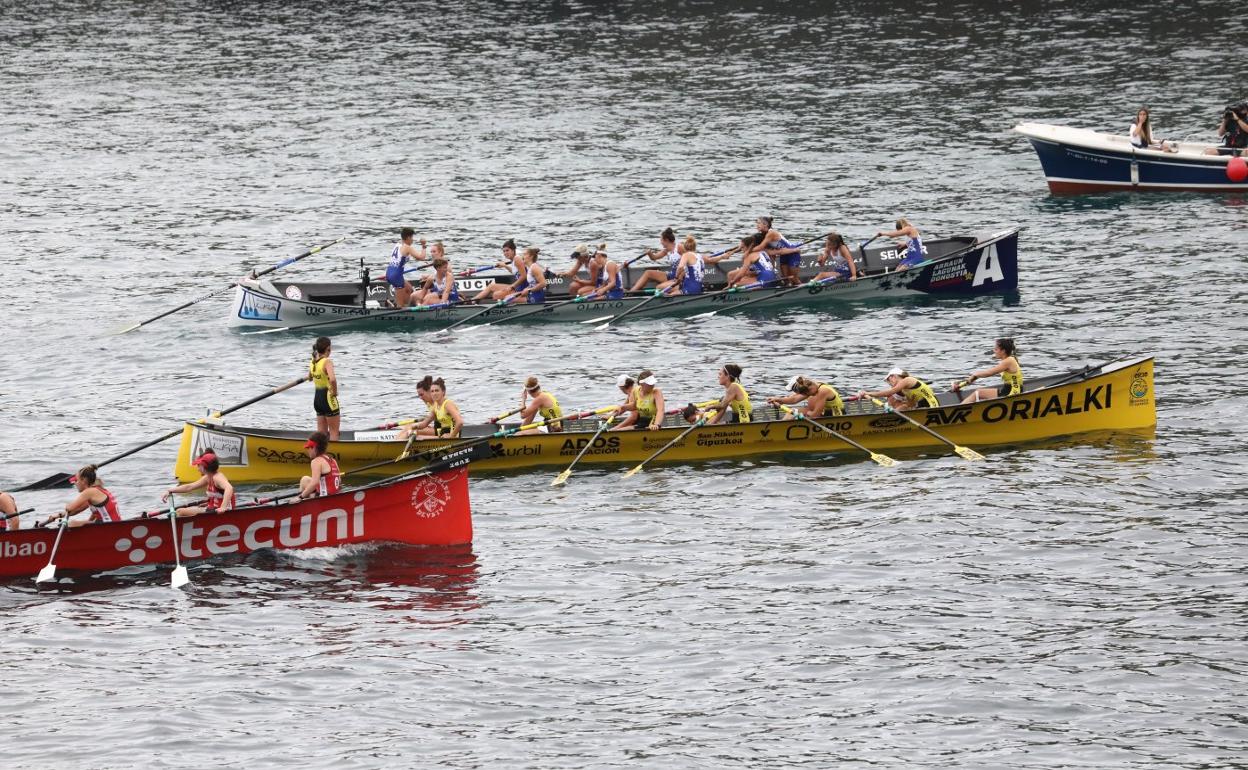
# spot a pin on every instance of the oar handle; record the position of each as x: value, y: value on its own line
x: 260, y: 397
x: 15, y: 514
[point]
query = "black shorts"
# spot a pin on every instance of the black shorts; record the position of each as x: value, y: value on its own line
x: 643, y: 421
x: 325, y: 404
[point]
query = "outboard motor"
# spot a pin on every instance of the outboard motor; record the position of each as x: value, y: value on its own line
x: 364, y: 281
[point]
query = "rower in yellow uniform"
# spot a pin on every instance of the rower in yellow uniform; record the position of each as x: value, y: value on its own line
x: 1007, y: 366
x: 735, y: 405
x: 443, y: 420
x: 645, y: 407
x: 905, y: 391
x: 822, y: 400
x: 325, y: 398
x: 536, y: 403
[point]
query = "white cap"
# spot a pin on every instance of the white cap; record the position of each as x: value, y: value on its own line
x: 895, y: 372
x: 651, y: 381
x: 792, y: 381
x: 622, y: 380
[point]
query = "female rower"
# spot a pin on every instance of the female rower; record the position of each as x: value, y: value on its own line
x: 8, y: 507
x: 610, y: 277
x: 513, y: 265
x: 905, y: 391
x: 443, y: 420
x: 668, y: 254
x: 584, y: 259
x: 325, y: 398
x: 1011, y: 374
x: 533, y: 285
x: 92, y: 497
x: 735, y: 405
x: 690, y: 269
x: 645, y: 406
x: 913, y: 245
x: 756, y: 266
x: 786, y: 256
x: 843, y: 267
x: 403, y: 250
x: 219, y: 490
x: 325, y: 478
x: 439, y: 288
x: 535, y: 402
x: 821, y: 399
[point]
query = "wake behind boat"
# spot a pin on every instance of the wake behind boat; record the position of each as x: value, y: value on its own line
x: 954, y: 267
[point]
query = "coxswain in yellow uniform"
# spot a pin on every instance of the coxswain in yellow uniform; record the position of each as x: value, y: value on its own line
x: 821, y: 399
x: 735, y: 405
x: 538, y: 404
x: 1006, y: 366
x: 217, y: 488
x: 905, y: 391
x: 443, y: 420
x: 325, y: 397
x: 645, y: 406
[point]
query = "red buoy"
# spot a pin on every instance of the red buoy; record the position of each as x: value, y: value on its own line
x: 1237, y: 170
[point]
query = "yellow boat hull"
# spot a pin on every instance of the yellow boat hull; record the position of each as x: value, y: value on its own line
x: 1113, y: 397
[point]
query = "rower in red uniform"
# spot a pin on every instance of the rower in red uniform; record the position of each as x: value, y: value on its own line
x: 92, y: 497
x: 214, y: 483
x: 325, y: 478
x: 8, y: 507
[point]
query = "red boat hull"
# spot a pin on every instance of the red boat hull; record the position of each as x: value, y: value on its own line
x: 427, y: 510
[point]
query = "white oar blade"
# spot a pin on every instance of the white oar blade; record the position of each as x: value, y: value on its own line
x: 561, y: 478
x: 180, y: 578
x: 969, y: 454
x: 703, y: 315
x: 604, y: 326
x: 884, y: 460
x: 125, y: 330
x: 46, y: 574
x: 270, y: 331
x: 597, y: 320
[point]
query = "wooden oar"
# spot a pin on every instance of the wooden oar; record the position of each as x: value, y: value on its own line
x: 60, y: 478
x: 968, y: 454
x: 701, y: 421
x: 49, y: 571
x: 367, y: 317
x: 562, y: 477
x: 179, y: 577
x: 505, y: 415
x: 266, y: 271
x: 882, y: 459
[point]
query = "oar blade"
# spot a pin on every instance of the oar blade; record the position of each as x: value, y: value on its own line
x: 54, y: 480
x: 46, y: 574
x: 561, y: 478
x: 269, y: 331
x: 124, y: 330
x: 968, y: 454
x: 179, y: 578
x: 884, y: 460
x: 599, y: 319
x: 632, y: 471
x: 703, y: 315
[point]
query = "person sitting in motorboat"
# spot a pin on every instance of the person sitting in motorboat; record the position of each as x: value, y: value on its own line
x: 219, y: 491
x: 669, y: 253
x: 913, y: 244
x: 325, y: 478
x: 690, y: 270
x: 609, y: 280
x: 756, y: 265
x: 443, y: 420
x: 843, y: 267
x: 786, y: 256
x: 645, y: 406
x: 92, y: 499
x: 584, y: 258
x: 513, y: 264
x: 734, y: 407
x: 1007, y: 366
x: 822, y: 400
x: 1142, y: 134
x: 8, y: 508
x: 403, y: 251
x: 905, y: 391
x: 1233, y: 128
x: 533, y: 286
x: 534, y: 403
x: 438, y: 288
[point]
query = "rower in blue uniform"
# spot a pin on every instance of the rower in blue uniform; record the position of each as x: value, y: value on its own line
x: 836, y: 256
x: 786, y: 254
x: 913, y: 244
x: 691, y: 269
x: 755, y: 266
x: 669, y: 255
x: 403, y: 250
x: 610, y: 281
x: 533, y: 286
x: 440, y: 287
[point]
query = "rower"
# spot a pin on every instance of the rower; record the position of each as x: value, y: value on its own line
x: 584, y: 259
x: 645, y: 406
x: 535, y: 402
x: 786, y: 256
x: 690, y: 269
x: 669, y: 254
x: 756, y: 266
x: 843, y: 267
x: 734, y: 407
x: 439, y: 288
x: 533, y: 285
x: 1007, y: 366
x: 913, y: 244
x: 92, y: 497
x: 821, y: 399
x: 325, y: 397
x: 513, y: 265
x: 609, y: 283
x: 8, y: 507
x: 905, y: 391
x: 326, y: 478
x: 443, y: 420
x: 403, y: 250
x: 219, y: 490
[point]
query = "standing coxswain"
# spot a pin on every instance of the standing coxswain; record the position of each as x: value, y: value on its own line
x: 325, y: 478
x: 92, y: 499
x: 822, y: 400
x: 1007, y: 366
x: 403, y: 251
x: 219, y: 490
x: 913, y: 243
x: 325, y: 397
x: 905, y: 391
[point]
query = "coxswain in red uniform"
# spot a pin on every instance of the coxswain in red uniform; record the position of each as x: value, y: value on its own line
x: 326, y: 478
x: 219, y: 490
x: 92, y: 498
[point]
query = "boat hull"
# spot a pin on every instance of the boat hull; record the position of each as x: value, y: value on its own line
x: 987, y: 267
x: 427, y: 510
x: 1077, y: 161
x: 1109, y: 398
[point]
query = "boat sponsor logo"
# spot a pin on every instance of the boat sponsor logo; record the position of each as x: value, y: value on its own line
x: 293, y: 292
x: 257, y: 308
x: 198, y: 538
x: 721, y: 438
x: 800, y: 431
x: 430, y: 497
x: 473, y: 284
x: 230, y: 450
x: 951, y: 272
x: 316, y: 311
x: 10, y: 550
x: 523, y: 450
x: 989, y: 268
x: 887, y: 421
x: 281, y: 456
x: 1040, y: 406
x: 956, y: 415
x: 603, y: 445
x: 1139, y: 388
x: 138, y: 544
x: 599, y: 306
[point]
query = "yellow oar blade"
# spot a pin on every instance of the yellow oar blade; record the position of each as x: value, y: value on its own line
x: 884, y: 460
x: 632, y: 471
x: 969, y: 454
x: 561, y: 478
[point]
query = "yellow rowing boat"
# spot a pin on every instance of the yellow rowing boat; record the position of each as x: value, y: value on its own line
x: 1114, y: 396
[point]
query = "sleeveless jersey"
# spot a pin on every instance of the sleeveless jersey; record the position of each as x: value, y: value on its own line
x: 438, y: 286
x: 914, y: 252
x: 921, y: 394
x: 646, y: 406
x: 763, y: 268
x: 215, y: 495
x: 443, y: 423
x: 106, y: 512
x: 1014, y: 380
x: 834, y: 406
x: 617, y: 286
x: 553, y: 411
x: 330, y: 482
x: 741, y: 407
x: 694, y: 274
x: 537, y: 296
x: 320, y: 381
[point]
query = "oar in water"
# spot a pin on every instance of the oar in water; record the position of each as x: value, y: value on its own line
x: 179, y: 577
x: 562, y: 477
x: 488, y: 308
x: 49, y: 571
x: 968, y: 454
x: 365, y: 317
x: 882, y: 459
x: 266, y: 271
x: 700, y: 422
x: 57, y: 479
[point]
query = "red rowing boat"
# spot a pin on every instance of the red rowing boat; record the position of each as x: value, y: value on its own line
x: 419, y: 510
